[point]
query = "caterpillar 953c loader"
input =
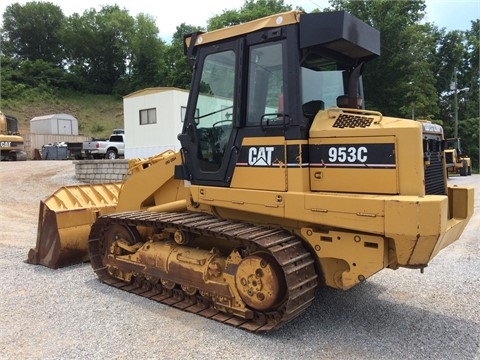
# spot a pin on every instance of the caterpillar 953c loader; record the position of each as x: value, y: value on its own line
x: 284, y: 182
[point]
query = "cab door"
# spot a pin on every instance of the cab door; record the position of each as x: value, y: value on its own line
x: 261, y: 164
x: 209, y: 134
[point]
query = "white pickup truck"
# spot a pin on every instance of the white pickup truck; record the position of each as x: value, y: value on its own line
x: 113, y: 148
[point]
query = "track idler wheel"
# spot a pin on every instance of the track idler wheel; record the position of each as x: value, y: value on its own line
x: 259, y: 282
x: 121, y: 239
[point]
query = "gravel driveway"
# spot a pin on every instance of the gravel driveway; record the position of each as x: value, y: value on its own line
x: 69, y: 314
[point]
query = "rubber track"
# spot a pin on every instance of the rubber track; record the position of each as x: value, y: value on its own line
x: 288, y: 250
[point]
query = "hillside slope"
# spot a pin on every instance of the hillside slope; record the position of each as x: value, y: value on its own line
x: 97, y: 115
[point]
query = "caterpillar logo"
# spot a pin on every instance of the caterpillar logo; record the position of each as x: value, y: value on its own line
x: 5, y: 143
x: 260, y: 156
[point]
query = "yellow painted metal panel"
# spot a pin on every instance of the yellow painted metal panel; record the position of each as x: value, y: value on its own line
x: 272, y: 177
x: 407, y: 138
x: 350, y: 175
x: 355, y: 212
x: 256, y: 202
x: 347, y: 258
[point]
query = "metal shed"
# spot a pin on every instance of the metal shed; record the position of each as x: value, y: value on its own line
x: 55, y: 124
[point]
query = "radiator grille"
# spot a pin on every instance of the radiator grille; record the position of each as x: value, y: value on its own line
x: 435, y: 182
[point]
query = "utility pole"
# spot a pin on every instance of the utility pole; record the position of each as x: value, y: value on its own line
x: 454, y: 87
x: 455, y: 105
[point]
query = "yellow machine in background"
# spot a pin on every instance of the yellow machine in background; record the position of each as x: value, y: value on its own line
x: 284, y: 182
x: 11, y: 143
x: 456, y: 160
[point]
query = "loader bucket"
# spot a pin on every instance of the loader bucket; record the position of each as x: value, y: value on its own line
x: 64, y: 223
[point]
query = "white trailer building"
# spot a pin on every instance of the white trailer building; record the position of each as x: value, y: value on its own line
x: 153, y: 118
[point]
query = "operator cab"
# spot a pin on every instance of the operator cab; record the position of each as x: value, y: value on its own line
x: 267, y: 79
x: 11, y: 125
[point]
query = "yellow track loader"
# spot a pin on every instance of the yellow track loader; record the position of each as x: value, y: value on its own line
x: 11, y: 143
x: 284, y: 182
x: 456, y: 160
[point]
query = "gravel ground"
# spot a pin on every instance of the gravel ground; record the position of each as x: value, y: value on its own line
x: 69, y: 314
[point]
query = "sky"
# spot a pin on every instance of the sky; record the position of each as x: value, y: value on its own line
x: 449, y: 14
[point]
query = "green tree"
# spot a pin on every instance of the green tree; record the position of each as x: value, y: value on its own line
x: 470, y: 77
x: 457, y: 67
x: 415, y: 63
x: 11, y: 87
x: 468, y: 132
x: 98, y: 47
x: 32, y: 32
x: 448, y: 62
x: 468, y: 99
x: 179, y: 67
x: 31, y: 52
x: 147, y: 66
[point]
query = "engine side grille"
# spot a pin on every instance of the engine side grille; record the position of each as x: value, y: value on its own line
x: 435, y: 182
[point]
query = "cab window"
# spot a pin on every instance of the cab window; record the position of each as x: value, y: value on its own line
x: 265, y: 82
x: 214, y: 109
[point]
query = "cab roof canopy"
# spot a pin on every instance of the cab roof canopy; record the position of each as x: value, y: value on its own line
x: 337, y: 31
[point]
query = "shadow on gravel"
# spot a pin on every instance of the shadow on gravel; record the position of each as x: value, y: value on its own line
x: 359, y: 320
x: 354, y: 324
x: 358, y: 323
